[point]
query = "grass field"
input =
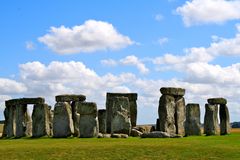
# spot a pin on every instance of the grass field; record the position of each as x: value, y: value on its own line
x: 196, y: 147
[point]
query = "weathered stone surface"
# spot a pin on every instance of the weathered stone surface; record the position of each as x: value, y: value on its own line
x: 132, y: 97
x: 224, y: 120
x: 172, y: 91
x: 102, y: 120
x: 24, y: 101
x: 217, y: 101
x: 62, y: 120
x: 166, y: 111
x: 180, y: 115
x: 76, y: 119
x: 21, y: 119
x: 192, y: 124
x: 211, y: 119
x: 156, y: 134
x: 120, y: 116
x: 51, y: 114
x: 88, y: 123
x: 135, y: 133
x: 115, y: 135
x: 41, y: 121
x: 100, y: 135
x: 144, y: 128
x: 70, y: 98
x: 9, y: 124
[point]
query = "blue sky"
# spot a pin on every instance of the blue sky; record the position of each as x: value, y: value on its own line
x: 93, y: 47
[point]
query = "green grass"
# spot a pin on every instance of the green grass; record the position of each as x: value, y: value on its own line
x: 212, y: 147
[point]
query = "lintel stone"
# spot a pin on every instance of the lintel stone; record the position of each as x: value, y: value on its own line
x: 217, y: 101
x: 25, y: 101
x: 172, y: 91
x: 70, y: 97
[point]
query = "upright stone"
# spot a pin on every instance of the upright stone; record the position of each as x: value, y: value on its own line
x: 224, y: 120
x: 132, y: 97
x: 10, y: 126
x: 41, y: 121
x: 76, y: 118
x: 157, y: 125
x: 88, y: 123
x: 192, y: 124
x: 180, y: 115
x: 211, y: 119
x: 21, y: 112
x: 166, y: 111
x: 102, y: 115
x: 62, y: 120
x: 121, y: 122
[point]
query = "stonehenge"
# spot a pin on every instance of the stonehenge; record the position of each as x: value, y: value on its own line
x: 171, y: 111
x: 211, y: 117
x: 192, y: 123
x: 73, y: 116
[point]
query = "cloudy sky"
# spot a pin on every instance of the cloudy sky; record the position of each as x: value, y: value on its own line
x: 93, y: 47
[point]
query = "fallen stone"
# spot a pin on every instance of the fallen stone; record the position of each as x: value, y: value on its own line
x: 156, y: 134
x: 121, y: 116
x: 135, y: 133
x: 70, y: 98
x: 88, y: 123
x: 224, y: 120
x: 172, y: 91
x: 62, y: 120
x: 211, y: 119
x: 144, y: 128
x: 40, y: 120
x: 217, y: 101
x: 100, y: 135
x: 192, y: 124
x: 115, y: 135
x: 166, y: 112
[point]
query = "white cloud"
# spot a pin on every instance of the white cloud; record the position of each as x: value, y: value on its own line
x: 30, y: 45
x: 109, y: 62
x: 163, y: 40
x: 134, y: 61
x: 197, y: 12
x: 89, y: 37
x: 8, y: 86
x: 159, y: 17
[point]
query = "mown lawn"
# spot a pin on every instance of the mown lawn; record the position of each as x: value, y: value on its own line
x: 212, y: 147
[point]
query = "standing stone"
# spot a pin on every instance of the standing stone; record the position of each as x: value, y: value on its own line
x: 211, y: 119
x: 192, y: 124
x: 132, y: 97
x: 102, y: 114
x: 10, y: 127
x: 224, y: 120
x: 41, y: 121
x: 157, y: 125
x: 88, y: 123
x: 121, y: 122
x: 166, y: 111
x: 62, y: 120
x: 76, y: 118
x: 180, y: 115
x: 28, y: 122
x: 20, y: 120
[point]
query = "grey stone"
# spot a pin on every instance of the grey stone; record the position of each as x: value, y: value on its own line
x: 156, y: 134
x: 62, y: 120
x: 76, y: 119
x: 9, y: 124
x: 180, y: 115
x: 25, y: 101
x: 120, y: 116
x: 100, y: 135
x: 135, y: 133
x: 41, y: 120
x: 211, y: 119
x: 70, y: 98
x: 102, y: 120
x: 51, y: 114
x: 166, y: 111
x: 144, y: 128
x: 172, y: 91
x: 192, y: 124
x: 88, y: 123
x: 115, y: 135
x: 21, y: 119
x: 132, y: 97
x: 217, y: 101
x: 224, y: 120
